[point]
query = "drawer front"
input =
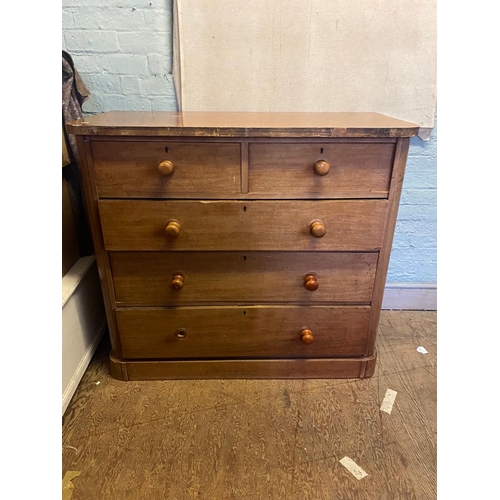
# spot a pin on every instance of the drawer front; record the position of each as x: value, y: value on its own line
x: 151, y: 279
x: 200, y: 170
x: 243, y: 332
x: 352, y: 170
x: 352, y: 225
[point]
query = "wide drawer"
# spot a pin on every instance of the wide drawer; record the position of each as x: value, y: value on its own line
x: 152, y: 279
x: 243, y: 332
x: 349, y: 170
x: 197, y: 170
x: 351, y: 225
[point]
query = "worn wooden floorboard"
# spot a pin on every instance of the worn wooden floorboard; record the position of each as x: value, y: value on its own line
x: 254, y: 439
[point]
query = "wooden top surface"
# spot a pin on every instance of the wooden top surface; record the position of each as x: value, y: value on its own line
x: 236, y: 124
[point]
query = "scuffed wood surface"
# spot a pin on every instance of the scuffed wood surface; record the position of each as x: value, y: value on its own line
x: 143, y: 278
x: 351, y: 225
x: 234, y: 124
x: 209, y: 439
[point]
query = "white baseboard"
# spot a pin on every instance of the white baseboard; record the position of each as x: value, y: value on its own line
x: 80, y: 370
x: 83, y: 323
x: 412, y: 296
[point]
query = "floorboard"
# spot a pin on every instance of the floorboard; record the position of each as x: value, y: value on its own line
x: 256, y: 439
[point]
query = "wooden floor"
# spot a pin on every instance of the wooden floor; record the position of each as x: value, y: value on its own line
x: 254, y: 439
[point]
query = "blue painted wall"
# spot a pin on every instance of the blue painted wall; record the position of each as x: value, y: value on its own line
x: 123, y: 50
x: 413, y: 257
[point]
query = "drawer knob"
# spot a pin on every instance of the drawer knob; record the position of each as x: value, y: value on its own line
x: 173, y: 229
x: 166, y: 167
x: 177, y: 282
x: 311, y: 282
x: 306, y: 336
x: 321, y: 167
x: 318, y: 229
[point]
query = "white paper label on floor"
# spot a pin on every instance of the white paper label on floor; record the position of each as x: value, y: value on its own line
x: 353, y: 468
x: 388, y: 401
x: 422, y: 350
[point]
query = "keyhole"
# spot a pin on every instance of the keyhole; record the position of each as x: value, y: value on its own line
x: 244, y: 209
x: 244, y: 313
x: 166, y: 150
x: 321, y: 150
x: 181, y: 333
x: 244, y: 257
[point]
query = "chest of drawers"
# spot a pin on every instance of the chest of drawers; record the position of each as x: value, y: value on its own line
x: 242, y: 245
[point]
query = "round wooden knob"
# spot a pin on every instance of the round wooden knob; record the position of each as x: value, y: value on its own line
x: 306, y: 336
x: 311, y: 282
x: 173, y: 229
x: 177, y: 282
x: 318, y: 229
x: 321, y: 167
x: 166, y: 167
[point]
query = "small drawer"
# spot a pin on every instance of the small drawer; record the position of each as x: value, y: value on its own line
x: 163, y: 169
x: 350, y: 225
x: 243, y: 332
x: 320, y: 170
x: 166, y: 278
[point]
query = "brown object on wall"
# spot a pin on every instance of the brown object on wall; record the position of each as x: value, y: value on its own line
x: 65, y: 153
x: 70, y: 250
x: 242, y: 245
x: 74, y: 94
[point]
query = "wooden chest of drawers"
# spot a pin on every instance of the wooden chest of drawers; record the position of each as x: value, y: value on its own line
x: 242, y: 245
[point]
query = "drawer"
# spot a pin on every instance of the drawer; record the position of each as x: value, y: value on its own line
x: 350, y: 225
x: 200, y: 170
x: 243, y: 332
x: 349, y: 170
x: 152, y: 279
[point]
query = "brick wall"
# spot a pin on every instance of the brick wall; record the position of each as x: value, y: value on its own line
x: 123, y: 50
x: 413, y: 257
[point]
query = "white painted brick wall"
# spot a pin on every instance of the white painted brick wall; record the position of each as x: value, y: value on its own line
x: 123, y: 51
x: 414, y: 250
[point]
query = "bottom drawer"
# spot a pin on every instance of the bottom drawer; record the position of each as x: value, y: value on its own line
x: 243, y: 332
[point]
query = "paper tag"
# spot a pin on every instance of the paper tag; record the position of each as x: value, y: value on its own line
x: 388, y: 401
x: 67, y: 485
x: 422, y: 350
x: 353, y: 468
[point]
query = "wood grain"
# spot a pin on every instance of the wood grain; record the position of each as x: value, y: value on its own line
x: 352, y: 225
x: 201, y: 170
x: 144, y: 173
x: 383, y: 263
x: 206, y: 439
x: 70, y: 248
x: 102, y: 257
x: 242, y: 332
x: 171, y: 466
x: 399, y: 335
x: 143, y: 278
x: 357, y: 170
x: 309, y: 368
x: 166, y: 123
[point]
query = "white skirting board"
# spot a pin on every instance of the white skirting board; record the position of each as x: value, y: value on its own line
x: 412, y: 296
x: 83, y: 323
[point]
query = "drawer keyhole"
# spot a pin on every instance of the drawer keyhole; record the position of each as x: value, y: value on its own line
x: 181, y: 333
